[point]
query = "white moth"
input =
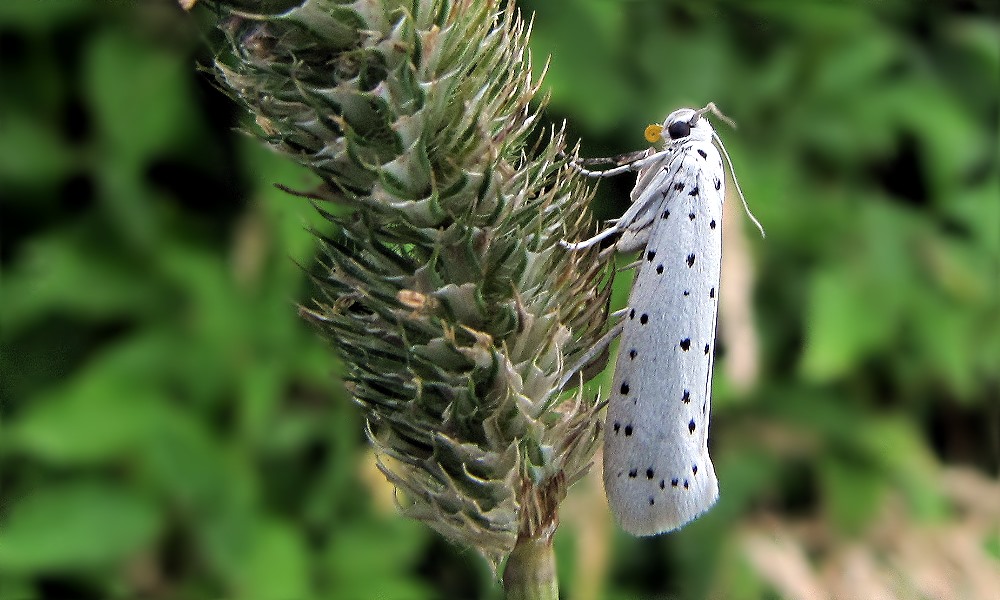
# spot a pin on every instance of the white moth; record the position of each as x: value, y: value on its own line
x: 657, y: 472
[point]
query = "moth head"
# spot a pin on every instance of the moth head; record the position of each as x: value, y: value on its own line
x: 684, y: 124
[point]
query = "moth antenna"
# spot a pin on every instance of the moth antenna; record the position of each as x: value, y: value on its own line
x: 712, y: 108
x: 729, y: 161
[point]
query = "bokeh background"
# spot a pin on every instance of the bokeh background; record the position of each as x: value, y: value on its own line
x: 169, y: 427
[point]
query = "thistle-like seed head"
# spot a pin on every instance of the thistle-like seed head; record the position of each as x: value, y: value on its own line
x: 447, y: 293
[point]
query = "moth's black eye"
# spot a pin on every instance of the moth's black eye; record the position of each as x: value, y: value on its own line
x: 679, y: 129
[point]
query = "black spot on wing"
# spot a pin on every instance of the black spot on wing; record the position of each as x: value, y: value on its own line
x: 625, y: 389
x: 651, y: 255
x: 694, y: 191
x: 711, y: 224
x: 649, y: 473
x: 691, y: 426
x: 691, y: 216
x: 686, y: 398
x: 690, y: 260
x: 706, y: 348
x: 644, y: 319
x: 632, y: 354
x: 718, y: 183
x: 633, y: 473
x: 666, y: 214
x: 659, y: 269
x: 685, y: 344
x: 628, y: 430
x: 617, y: 426
x: 679, y: 186
x: 702, y: 153
x: 711, y: 293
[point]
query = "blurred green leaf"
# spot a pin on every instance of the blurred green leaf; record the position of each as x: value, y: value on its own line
x: 977, y: 211
x: 852, y: 494
x: 979, y: 35
x: 99, y: 418
x: 945, y: 334
x: 15, y: 588
x: 736, y: 577
x: 43, y: 14
x: 213, y: 489
x: 32, y: 153
x: 904, y: 460
x: 138, y: 95
x: 77, y: 526
x: 589, y: 84
x: 287, y: 218
x: 825, y: 19
x: 956, y: 142
x: 372, y: 560
x: 844, y: 324
x: 278, y: 567
x: 992, y: 544
x: 64, y: 274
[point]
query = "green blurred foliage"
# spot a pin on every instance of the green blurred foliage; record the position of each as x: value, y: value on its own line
x: 169, y: 427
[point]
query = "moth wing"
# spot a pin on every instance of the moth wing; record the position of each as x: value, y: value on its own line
x: 657, y: 472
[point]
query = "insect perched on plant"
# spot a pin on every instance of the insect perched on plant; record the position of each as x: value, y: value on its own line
x: 657, y: 472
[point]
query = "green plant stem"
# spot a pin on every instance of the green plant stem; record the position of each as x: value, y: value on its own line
x: 530, y: 573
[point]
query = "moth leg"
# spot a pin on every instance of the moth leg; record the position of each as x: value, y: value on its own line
x: 610, y: 231
x: 608, y: 172
x: 620, y: 159
x: 600, y: 346
x: 632, y: 240
x: 631, y: 265
x: 641, y: 216
x: 635, y: 165
x: 632, y: 237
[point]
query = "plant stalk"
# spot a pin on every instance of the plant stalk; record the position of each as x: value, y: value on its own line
x: 530, y: 573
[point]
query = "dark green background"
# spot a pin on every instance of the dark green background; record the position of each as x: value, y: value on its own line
x: 171, y: 429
